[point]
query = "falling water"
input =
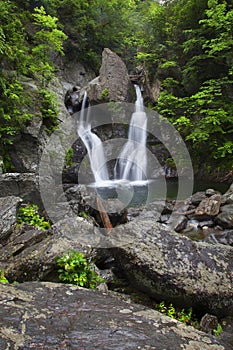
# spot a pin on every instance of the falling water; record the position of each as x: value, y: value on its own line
x: 93, y: 145
x: 132, y: 162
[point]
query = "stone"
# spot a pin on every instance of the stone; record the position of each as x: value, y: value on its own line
x: 210, y: 192
x: 56, y: 316
x: 197, y: 197
x: 209, y: 206
x: 72, y: 100
x: 228, y: 196
x: 208, y: 323
x: 23, y: 185
x: 8, y: 215
x: 113, y: 83
x: 29, y: 254
x: 225, y: 220
x: 164, y: 264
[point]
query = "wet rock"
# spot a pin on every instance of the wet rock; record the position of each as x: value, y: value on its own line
x: 225, y: 218
x: 197, y: 197
x: 164, y: 264
x: 113, y: 83
x: 8, y: 215
x: 178, y: 222
x: 209, y: 206
x: 228, y: 196
x: 54, y: 316
x: 222, y: 237
x: 210, y: 192
x: 72, y: 100
x: 208, y: 323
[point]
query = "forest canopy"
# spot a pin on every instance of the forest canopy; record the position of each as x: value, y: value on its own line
x: 186, y: 45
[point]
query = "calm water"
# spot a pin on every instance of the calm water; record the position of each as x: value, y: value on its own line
x: 141, y: 192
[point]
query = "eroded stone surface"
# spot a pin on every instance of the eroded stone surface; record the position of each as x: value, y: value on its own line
x: 160, y: 262
x: 8, y: 214
x: 52, y: 316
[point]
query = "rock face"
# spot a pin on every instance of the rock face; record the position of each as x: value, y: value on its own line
x: 23, y: 185
x: 8, y: 215
x: 163, y: 263
x: 53, y: 316
x: 29, y: 254
x: 113, y: 83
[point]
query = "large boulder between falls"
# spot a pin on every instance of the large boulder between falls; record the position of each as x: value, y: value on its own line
x: 52, y: 316
x: 113, y: 83
x: 165, y: 264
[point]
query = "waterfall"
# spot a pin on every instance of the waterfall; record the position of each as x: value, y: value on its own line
x: 132, y: 162
x: 93, y: 145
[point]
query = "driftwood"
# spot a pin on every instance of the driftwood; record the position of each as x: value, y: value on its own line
x: 104, y: 215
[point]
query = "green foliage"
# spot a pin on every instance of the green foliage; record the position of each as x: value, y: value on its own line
x: 104, y: 93
x: 75, y: 269
x: 3, y: 279
x: 49, y: 109
x: 69, y: 156
x: 28, y: 42
x: 218, y: 330
x: 30, y: 215
x: 182, y: 315
x: 47, y: 40
x: 7, y: 165
x: 83, y: 214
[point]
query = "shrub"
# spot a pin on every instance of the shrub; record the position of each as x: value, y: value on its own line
x: 75, y: 269
x: 3, y: 279
x: 30, y: 215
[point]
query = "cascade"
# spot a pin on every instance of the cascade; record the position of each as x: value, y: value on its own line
x: 131, y: 164
x: 93, y: 145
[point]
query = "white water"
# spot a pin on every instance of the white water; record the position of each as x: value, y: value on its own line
x: 93, y: 145
x: 132, y: 162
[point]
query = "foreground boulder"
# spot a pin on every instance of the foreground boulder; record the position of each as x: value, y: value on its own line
x: 166, y: 265
x: 52, y: 316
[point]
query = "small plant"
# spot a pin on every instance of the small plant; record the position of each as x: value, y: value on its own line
x: 83, y: 214
x: 104, y: 93
x: 218, y: 330
x: 75, y: 269
x: 182, y: 315
x: 30, y: 215
x: 3, y: 279
x: 69, y: 156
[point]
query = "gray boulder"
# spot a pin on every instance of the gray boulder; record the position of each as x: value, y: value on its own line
x: 54, y: 316
x: 8, y: 215
x: 167, y: 265
x: 29, y: 254
x: 113, y: 83
x: 23, y: 185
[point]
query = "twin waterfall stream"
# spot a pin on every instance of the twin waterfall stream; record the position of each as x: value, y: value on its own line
x: 131, y: 164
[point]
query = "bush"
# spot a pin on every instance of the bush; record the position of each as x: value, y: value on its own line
x: 75, y: 269
x: 29, y: 215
